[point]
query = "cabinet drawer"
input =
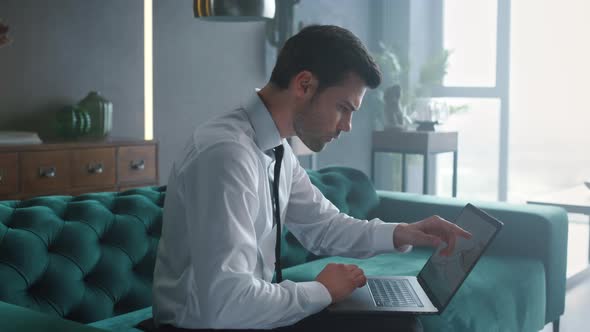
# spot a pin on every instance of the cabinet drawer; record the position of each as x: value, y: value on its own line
x: 8, y: 173
x: 45, y: 172
x: 136, y: 163
x: 93, y: 167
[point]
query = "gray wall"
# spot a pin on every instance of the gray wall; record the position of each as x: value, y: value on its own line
x: 201, y: 69
x: 65, y: 48
x: 61, y: 50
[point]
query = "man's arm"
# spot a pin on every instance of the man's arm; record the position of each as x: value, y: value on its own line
x: 324, y: 230
x: 224, y: 252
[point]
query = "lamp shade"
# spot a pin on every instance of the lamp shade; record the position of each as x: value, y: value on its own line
x: 234, y: 10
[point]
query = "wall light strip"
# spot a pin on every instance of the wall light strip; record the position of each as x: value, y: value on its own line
x: 148, y: 70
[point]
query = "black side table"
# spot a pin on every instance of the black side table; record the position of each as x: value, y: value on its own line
x: 425, y: 143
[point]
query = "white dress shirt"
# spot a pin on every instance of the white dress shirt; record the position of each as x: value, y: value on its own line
x: 216, y: 254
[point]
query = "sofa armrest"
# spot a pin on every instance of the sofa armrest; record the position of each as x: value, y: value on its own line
x: 534, y: 231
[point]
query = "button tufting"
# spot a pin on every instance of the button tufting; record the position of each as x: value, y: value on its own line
x: 69, y: 265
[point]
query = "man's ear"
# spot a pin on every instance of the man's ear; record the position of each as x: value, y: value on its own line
x: 304, y: 84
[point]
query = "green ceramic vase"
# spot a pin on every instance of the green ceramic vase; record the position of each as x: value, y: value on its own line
x: 100, y: 110
x: 72, y: 122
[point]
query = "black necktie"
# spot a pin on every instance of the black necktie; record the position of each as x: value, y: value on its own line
x: 275, y: 192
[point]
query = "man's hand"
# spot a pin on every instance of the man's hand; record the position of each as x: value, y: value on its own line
x: 429, y: 232
x: 341, y: 279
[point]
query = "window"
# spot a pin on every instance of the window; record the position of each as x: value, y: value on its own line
x: 469, y: 30
x: 478, y: 150
x: 525, y: 76
x: 549, y: 115
x: 477, y: 34
x: 549, y: 137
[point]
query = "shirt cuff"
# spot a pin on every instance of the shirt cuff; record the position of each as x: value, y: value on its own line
x: 317, y: 294
x: 384, y: 238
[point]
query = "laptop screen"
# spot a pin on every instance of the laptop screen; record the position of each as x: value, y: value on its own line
x: 442, y: 276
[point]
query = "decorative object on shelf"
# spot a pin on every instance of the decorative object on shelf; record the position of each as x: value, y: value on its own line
x: 73, y: 122
x: 4, y: 40
x: 587, y: 183
x: 415, y: 99
x: 429, y: 112
x: 395, y: 117
x: 19, y: 137
x: 101, y: 114
x: 426, y: 125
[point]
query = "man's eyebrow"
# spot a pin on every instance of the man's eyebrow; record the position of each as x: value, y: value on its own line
x: 349, y: 105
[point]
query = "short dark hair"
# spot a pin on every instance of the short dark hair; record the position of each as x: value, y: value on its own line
x: 330, y: 53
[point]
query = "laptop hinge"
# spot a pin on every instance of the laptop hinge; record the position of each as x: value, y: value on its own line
x: 429, y: 293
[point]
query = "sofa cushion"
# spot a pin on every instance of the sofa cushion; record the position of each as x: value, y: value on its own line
x: 84, y: 258
x: 126, y: 322
x: 350, y: 190
x: 493, y: 298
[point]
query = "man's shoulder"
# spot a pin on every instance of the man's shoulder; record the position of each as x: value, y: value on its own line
x: 227, y: 127
x: 225, y: 137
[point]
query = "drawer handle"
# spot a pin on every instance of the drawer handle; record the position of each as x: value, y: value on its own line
x: 47, y: 172
x: 1, y: 175
x: 95, y: 169
x: 138, y: 165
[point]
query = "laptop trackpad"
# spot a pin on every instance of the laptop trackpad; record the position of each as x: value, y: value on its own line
x: 359, y: 300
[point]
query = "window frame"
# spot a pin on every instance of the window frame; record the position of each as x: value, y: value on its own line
x: 500, y: 91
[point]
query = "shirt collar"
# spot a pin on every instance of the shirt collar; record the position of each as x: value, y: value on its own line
x: 266, y: 133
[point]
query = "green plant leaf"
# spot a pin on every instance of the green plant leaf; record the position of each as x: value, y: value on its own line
x: 434, y: 70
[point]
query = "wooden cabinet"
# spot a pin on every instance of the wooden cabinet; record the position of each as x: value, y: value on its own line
x: 76, y: 168
x: 8, y: 173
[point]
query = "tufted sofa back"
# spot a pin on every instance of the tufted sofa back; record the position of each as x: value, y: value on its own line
x: 83, y: 258
x: 91, y: 257
x: 347, y: 188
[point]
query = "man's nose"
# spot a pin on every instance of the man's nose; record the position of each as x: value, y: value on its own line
x: 346, y: 123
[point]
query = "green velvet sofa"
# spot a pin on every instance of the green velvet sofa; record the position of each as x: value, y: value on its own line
x: 90, y: 258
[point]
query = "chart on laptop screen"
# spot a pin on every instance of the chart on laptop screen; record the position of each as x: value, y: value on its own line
x: 445, y: 274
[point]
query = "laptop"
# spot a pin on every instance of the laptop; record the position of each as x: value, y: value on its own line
x: 438, y: 281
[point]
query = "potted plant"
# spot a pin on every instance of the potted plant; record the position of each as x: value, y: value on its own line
x: 405, y: 103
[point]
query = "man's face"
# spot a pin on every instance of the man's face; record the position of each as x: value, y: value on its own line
x: 329, y: 112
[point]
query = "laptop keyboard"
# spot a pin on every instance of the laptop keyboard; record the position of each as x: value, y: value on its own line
x: 393, y: 293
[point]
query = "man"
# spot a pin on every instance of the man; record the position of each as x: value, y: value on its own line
x: 216, y: 256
